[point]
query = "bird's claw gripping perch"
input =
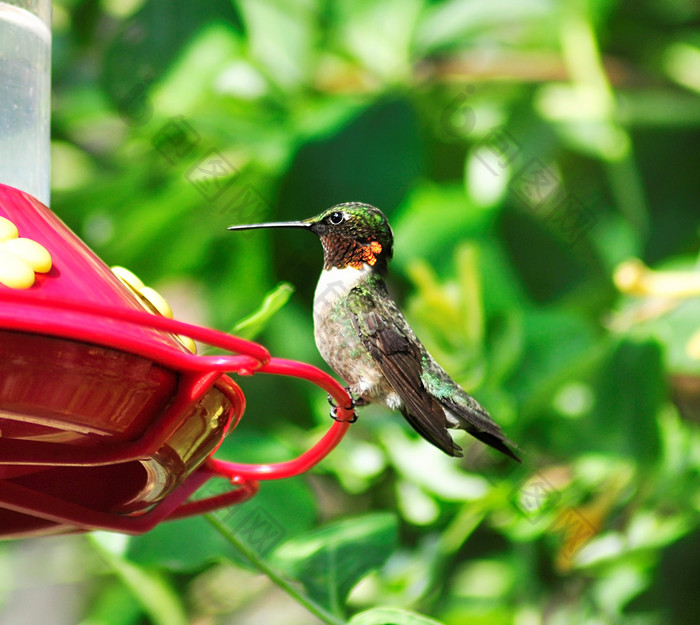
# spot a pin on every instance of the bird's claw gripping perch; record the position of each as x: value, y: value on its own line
x: 353, y: 404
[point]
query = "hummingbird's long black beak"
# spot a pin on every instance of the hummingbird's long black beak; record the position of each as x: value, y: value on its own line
x: 305, y: 225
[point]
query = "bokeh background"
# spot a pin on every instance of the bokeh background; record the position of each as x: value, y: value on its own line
x: 525, y: 151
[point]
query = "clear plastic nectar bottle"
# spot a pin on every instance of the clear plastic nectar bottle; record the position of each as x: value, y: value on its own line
x: 25, y: 95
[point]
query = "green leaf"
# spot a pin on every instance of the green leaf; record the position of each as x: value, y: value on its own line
x: 189, y: 81
x: 114, y: 606
x: 253, y: 324
x: 558, y: 343
x: 630, y: 392
x: 285, y: 508
x: 391, y: 616
x: 420, y: 232
x: 163, y: 546
x: 151, y: 590
x: 379, y: 34
x: 288, y: 59
x: 150, y: 42
x: 451, y: 23
x: 331, y: 560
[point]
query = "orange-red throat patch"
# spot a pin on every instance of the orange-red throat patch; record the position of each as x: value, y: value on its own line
x: 342, y: 252
x: 367, y: 254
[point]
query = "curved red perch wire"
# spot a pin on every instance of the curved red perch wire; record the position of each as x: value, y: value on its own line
x: 314, y: 455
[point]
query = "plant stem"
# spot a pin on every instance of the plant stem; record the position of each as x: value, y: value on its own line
x: 274, y: 575
x: 585, y: 64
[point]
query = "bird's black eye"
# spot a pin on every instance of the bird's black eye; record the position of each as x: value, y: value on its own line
x: 336, y: 218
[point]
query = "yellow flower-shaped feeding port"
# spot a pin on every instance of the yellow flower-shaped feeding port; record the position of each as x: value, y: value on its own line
x: 151, y: 299
x: 20, y: 259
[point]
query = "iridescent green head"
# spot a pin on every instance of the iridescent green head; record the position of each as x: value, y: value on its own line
x: 353, y: 234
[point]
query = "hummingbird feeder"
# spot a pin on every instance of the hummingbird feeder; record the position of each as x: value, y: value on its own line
x: 107, y: 418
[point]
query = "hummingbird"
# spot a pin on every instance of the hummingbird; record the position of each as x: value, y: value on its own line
x: 363, y: 336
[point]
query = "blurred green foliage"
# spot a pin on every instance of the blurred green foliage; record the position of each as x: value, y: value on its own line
x: 522, y: 150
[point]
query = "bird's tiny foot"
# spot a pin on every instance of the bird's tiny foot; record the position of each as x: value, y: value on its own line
x: 334, y: 416
x: 353, y: 404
